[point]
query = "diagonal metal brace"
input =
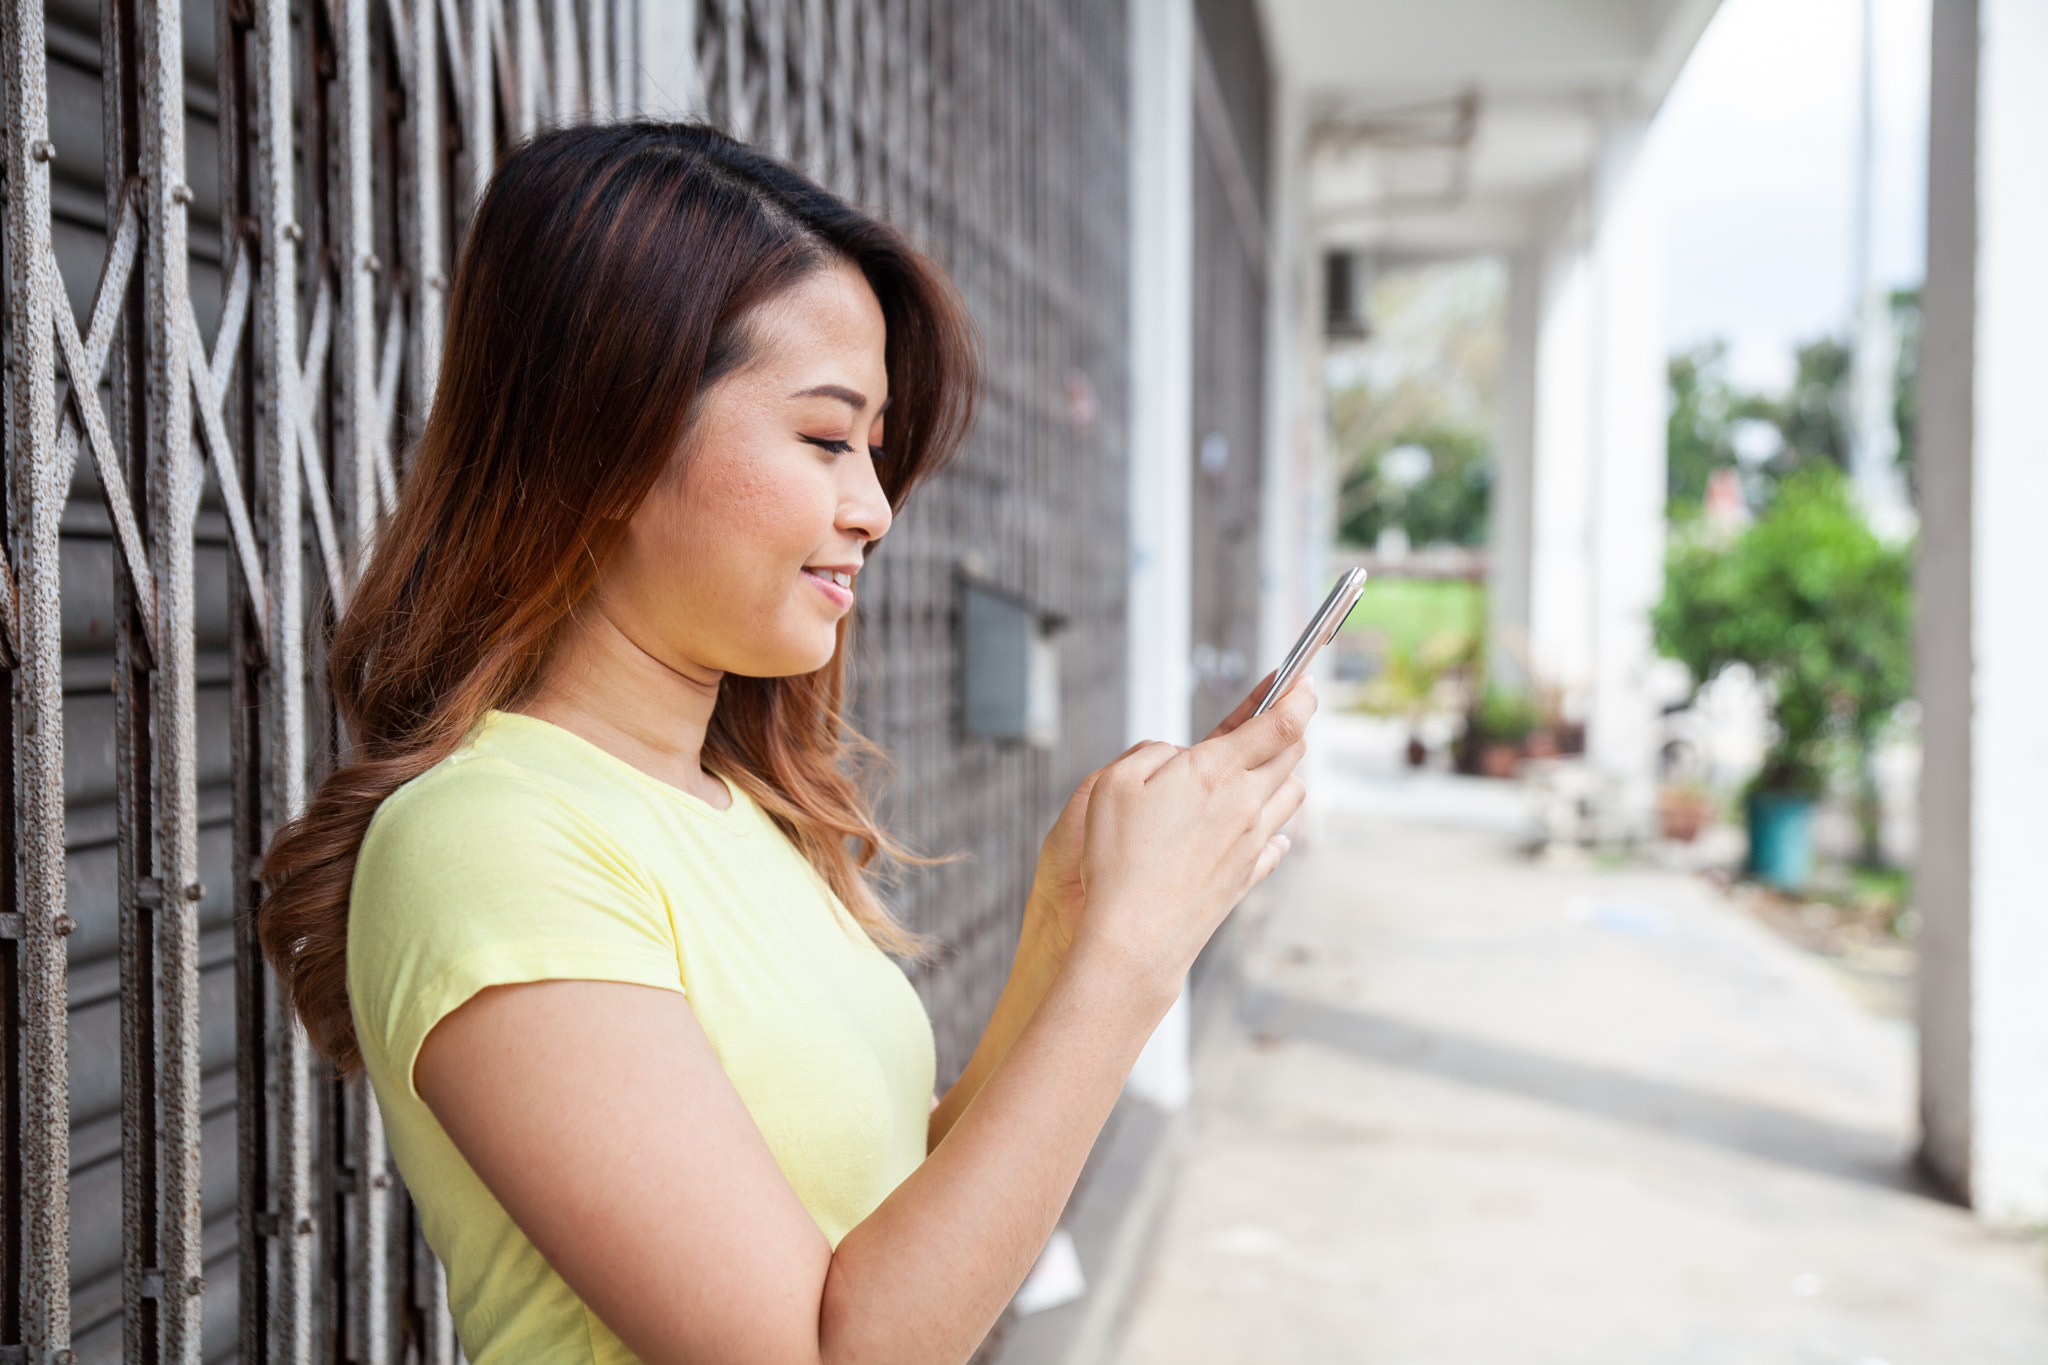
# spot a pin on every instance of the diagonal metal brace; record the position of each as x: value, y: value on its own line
x: 85, y: 362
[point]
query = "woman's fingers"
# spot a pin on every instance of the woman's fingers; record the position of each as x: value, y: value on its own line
x: 1270, y: 856
x: 1255, y: 741
x: 1245, y: 708
x: 1283, y: 805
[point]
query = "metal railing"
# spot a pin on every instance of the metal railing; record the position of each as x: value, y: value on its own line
x: 222, y: 323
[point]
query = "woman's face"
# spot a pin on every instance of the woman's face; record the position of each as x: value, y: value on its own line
x: 742, y: 560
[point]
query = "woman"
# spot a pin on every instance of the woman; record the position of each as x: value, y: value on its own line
x: 588, y: 902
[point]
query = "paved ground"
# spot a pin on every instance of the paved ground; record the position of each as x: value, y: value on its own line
x: 1471, y: 1110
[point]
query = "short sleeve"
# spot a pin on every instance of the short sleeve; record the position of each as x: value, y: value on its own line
x: 477, y: 876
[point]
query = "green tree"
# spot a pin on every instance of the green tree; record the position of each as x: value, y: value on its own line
x: 1700, y: 432
x: 1813, y: 602
x: 1812, y: 415
x: 1449, y: 505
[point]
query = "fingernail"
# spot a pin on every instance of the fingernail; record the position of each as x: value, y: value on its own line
x: 1310, y: 680
x: 1284, y: 842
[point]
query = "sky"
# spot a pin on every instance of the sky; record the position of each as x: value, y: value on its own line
x: 1757, y: 147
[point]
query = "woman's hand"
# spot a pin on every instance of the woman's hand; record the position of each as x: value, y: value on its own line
x: 1175, y: 837
x: 1058, y: 895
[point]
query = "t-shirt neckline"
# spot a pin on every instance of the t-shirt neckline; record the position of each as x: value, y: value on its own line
x: 733, y: 817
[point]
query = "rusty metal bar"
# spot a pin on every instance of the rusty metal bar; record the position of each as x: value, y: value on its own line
x: 356, y: 339
x: 599, y: 104
x: 529, y: 70
x: 565, y: 98
x: 36, y: 483
x: 172, y: 499
x: 424, y: 266
x: 370, y: 1244
x: 284, y: 1054
x: 773, y: 21
x: 813, y: 126
x: 845, y: 179
x: 478, y: 47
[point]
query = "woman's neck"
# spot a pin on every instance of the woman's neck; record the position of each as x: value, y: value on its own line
x: 602, y: 687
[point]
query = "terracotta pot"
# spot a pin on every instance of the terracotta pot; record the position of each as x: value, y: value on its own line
x: 1499, y: 760
x: 1541, y: 744
x: 1682, y: 813
x: 1418, y: 753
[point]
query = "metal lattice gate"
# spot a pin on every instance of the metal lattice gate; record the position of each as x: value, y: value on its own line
x: 227, y: 238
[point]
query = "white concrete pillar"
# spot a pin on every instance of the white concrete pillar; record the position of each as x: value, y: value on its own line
x: 1561, y: 534
x: 1628, y: 470
x: 1983, y: 653
x: 1162, y: 255
x: 1511, y: 531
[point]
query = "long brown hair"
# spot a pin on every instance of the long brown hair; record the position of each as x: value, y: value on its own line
x: 605, y: 284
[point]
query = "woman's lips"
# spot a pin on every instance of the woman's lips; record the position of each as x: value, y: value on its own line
x: 834, y: 584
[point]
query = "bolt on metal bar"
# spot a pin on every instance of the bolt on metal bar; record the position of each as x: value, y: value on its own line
x: 35, y: 497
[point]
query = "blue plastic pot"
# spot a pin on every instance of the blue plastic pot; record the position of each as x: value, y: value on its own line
x: 1781, y: 839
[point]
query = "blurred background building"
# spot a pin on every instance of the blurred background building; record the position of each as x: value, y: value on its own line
x: 1266, y: 285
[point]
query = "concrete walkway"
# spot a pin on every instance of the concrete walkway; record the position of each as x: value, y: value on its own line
x: 1471, y: 1110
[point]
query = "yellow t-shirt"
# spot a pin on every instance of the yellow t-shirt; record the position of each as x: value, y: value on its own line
x: 530, y: 855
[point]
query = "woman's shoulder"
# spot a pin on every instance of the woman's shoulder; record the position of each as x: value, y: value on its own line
x: 506, y: 807
x: 512, y: 771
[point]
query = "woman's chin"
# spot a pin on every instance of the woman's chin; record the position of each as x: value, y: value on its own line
x: 789, y: 663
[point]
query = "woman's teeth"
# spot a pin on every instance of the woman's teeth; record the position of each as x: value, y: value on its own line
x: 844, y: 580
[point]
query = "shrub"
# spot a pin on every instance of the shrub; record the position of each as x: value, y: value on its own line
x: 1810, y: 599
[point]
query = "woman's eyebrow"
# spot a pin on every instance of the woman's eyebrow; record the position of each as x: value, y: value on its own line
x: 853, y: 398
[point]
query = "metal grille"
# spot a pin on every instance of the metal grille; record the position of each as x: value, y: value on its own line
x: 227, y: 236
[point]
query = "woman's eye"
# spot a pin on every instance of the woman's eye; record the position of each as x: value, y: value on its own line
x: 837, y: 447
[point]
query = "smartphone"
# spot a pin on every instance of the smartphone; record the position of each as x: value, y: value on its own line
x: 1321, y: 629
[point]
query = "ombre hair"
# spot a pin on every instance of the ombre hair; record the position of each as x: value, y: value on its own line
x: 606, y: 283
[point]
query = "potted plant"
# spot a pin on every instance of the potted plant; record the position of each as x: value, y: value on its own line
x: 1820, y: 608
x: 1498, y: 726
x: 1407, y: 687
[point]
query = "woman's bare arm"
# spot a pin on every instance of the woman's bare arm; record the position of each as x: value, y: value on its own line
x: 599, y: 1116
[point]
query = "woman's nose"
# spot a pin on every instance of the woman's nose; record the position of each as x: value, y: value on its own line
x: 863, y: 506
